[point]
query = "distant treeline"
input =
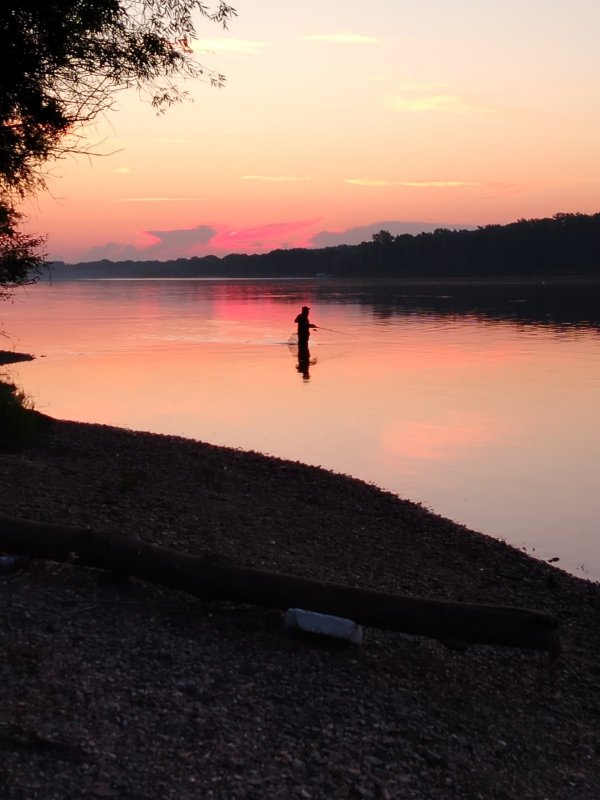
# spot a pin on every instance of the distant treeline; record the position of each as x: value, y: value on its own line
x: 566, y: 244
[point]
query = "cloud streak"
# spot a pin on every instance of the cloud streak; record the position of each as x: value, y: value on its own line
x: 438, y: 103
x: 376, y: 183
x: 156, y: 199
x: 341, y: 38
x: 439, y: 184
x: 274, y: 178
x: 238, y: 46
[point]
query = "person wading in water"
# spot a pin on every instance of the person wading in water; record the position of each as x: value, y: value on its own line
x: 304, y: 327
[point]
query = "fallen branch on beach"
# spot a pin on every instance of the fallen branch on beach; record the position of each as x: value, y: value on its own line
x: 457, y: 625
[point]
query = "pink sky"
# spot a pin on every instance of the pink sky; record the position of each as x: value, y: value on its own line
x: 467, y: 114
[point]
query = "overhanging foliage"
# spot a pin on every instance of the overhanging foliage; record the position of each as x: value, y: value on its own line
x: 63, y: 61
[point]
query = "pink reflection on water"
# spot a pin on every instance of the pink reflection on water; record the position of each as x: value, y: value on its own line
x: 431, y: 441
x: 489, y: 424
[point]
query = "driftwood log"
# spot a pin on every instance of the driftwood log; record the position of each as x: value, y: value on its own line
x: 457, y: 625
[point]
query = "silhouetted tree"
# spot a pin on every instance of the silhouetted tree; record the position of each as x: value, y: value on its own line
x: 20, y: 260
x: 564, y: 245
x: 63, y: 61
x: 383, y: 238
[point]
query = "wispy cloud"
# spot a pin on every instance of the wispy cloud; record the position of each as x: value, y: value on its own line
x: 156, y: 199
x: 412, y: 101
x: 123, y: 170
x: 420, y: 87
x: 368, y: 182
x: 412, y: 184
x: 239, y: 46
x: 439, y: 184
x: 342, y: 38
x: 274, y: 178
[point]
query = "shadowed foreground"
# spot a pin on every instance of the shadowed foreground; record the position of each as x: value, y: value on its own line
x: 118, y: 688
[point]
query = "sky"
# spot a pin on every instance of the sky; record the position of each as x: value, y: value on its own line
x: 338, y: 119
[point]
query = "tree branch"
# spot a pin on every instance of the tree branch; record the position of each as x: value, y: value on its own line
x: 457, y: 625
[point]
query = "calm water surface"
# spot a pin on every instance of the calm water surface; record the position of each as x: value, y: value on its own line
x: 483, y: 408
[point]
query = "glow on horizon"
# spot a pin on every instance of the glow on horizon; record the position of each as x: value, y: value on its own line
x: 331, y: 121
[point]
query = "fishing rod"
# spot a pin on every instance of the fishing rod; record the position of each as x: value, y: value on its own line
x: 321, y: 328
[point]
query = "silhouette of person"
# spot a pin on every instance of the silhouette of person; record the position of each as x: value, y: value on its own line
x: 304, y: 327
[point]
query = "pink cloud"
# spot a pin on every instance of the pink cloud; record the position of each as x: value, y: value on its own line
x: 263, y: 238
x: 203, y: 240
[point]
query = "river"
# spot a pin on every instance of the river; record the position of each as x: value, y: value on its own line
x: 480, y: 402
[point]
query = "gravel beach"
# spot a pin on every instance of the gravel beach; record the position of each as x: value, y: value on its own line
x: 115, y: 688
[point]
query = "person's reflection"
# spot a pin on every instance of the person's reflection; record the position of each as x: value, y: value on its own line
x: 304, y: 362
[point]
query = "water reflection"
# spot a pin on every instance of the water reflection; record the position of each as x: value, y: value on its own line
x: 551, y: 303
x: 304, y: 361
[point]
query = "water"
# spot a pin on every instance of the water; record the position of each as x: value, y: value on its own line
x: 479, y: 402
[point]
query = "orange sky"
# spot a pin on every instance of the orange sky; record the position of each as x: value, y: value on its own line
x: 342, y: 116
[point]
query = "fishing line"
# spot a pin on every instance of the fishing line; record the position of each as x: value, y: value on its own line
x: 331, y: 330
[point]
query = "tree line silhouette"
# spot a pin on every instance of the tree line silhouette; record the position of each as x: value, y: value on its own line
x: 567, y: 244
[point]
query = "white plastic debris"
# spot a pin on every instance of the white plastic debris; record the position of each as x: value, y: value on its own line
x: 298, y: 619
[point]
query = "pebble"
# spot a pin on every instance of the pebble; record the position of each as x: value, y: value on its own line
x: 108, y: 672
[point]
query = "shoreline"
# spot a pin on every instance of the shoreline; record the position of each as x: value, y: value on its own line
x: 9, y: 357
x: 169, y: 697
